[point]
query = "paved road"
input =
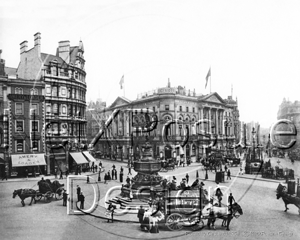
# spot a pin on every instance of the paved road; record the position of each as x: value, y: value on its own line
x: 263, y: 214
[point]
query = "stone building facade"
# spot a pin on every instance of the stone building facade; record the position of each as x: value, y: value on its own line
x: 53, y: 84
x: 169, y: 103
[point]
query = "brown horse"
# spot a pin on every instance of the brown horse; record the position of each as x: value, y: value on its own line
x: 25, y: 193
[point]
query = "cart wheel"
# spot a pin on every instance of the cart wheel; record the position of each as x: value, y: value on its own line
x: 59, y: 193
x: 38, y: 196
x: 173, y: 222
x: 198, y: 223
x: 48, y: 196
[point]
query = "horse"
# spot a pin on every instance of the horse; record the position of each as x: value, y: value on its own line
x: 25, y: 193
x: 287, y: 198
x: 226, y: 213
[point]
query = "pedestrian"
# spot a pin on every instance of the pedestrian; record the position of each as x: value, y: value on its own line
x: 81, y: 198
x: 100, y: 164
x: 55, y: 172
x: 226, y: 167
x: 121, y: 176
x: 128, y: 180
x: 99, y: 177
x: 26, y: 173
x: 187, y: 177
x: 230, y: 200
x: 67, y: 172
x: 61, y: 175
x: 87, y: 179
x: 114, y: 166
x: 79, y: 170
x: 116, y: 175
x: 219, y: 195
x: 108, y: 175
x: 105, y: 178
x: 140, y: 215
x: 4, y: 176
x: 129, y: 169
x: 78, y: 192
x: 96, y: 167
x: 228, y: 174
x: 65, y: 198
x: 110, y: 212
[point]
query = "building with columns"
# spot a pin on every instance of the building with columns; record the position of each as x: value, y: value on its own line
x: 169, y: 103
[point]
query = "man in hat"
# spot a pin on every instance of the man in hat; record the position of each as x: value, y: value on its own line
x: 65, y: 198
x: 81, y: 199
x: 183, y: 184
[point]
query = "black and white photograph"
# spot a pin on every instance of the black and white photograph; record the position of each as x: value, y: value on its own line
x: 149, y: 119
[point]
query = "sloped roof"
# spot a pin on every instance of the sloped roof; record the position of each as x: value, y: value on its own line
x: 46, y: 58
x: 10, y: 71
x: 120, y: 101
x: 212, y: 97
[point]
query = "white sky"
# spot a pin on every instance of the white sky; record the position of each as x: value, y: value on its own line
x: 253, y: 45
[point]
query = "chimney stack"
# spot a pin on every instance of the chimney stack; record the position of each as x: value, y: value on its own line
x: 37, y: 42
x: 23, y: 47
x: 64, y: 50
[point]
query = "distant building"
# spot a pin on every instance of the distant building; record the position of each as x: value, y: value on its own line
x: 170, y: 103
x: 291, y: 111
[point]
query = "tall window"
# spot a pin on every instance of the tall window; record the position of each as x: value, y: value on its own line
x: 18, y: 90
x: 33, y: 91
x: 54, y: 91
x: 48, y: 90
x: 19, y: 109
x: 19, y: 145
x: 63, y: 110
x: 180, y: 108
x: 193, y: 109
x: 34, y: 126
x: 187, y: 109
x: 19, y: 126
x: 167, y: 107
x: 35, y: 145
x: 34, y: 106
x: 48, y: 108
x: 55, y: 109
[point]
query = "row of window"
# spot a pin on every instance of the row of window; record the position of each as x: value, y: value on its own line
x: 55, y: 71
x: 20, y: 145
x: 34, y: 126
x: 33, y: 91
x: 63, y: 91
x: 19, y: 108
x: 65, y: 110
x: 167, y: 108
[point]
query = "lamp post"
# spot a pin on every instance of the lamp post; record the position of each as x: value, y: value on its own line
x: 253, y: 142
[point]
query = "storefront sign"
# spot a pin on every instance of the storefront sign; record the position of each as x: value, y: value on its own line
x: 166, y: 91
x: 25, y: 97
x: 24, y: 160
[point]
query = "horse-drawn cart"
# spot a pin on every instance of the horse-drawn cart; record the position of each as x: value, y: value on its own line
x: 48, y: 190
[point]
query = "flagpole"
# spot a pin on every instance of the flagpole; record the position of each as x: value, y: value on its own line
x: 123, y: 87
x: 210, y: 82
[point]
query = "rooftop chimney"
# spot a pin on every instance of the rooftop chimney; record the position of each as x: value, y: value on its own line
x: 37, y: 42
x: 64, y: 50
x: 23, y: 47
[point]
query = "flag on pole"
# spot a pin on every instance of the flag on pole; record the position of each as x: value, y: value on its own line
x: 207, y: 76
x: 122, y: 82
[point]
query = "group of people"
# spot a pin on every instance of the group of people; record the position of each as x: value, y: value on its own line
x: 113, y: 175
x: 80, y: 197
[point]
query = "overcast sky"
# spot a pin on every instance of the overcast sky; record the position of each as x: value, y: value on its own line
x: 252, y: 45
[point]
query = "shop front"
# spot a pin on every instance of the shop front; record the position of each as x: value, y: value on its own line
x: 27, y: 165
x: 78, y: 162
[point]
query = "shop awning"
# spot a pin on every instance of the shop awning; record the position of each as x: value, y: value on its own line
x: 89, y: 156
x: 78, y: 157
x: 25, y: 160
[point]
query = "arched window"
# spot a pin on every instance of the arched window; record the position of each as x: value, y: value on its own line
x: 33, y: 91
x: 18, y: 90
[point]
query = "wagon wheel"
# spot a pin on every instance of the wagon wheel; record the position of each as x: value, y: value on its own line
x: 198, y: 223
x: 59, y: 193
x: 38, y: 196
x: 173, y: 222
x: 48, y: 196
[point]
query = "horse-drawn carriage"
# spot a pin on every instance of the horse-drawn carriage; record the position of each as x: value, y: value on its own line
x: 187, y: 208
x: 167, y: 164
x: 46, y: 190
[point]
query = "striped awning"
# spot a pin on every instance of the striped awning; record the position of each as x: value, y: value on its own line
x: 78, y: 157
x: 89, y: 156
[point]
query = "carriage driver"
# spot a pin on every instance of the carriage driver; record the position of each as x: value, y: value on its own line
x: 230, y: 200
